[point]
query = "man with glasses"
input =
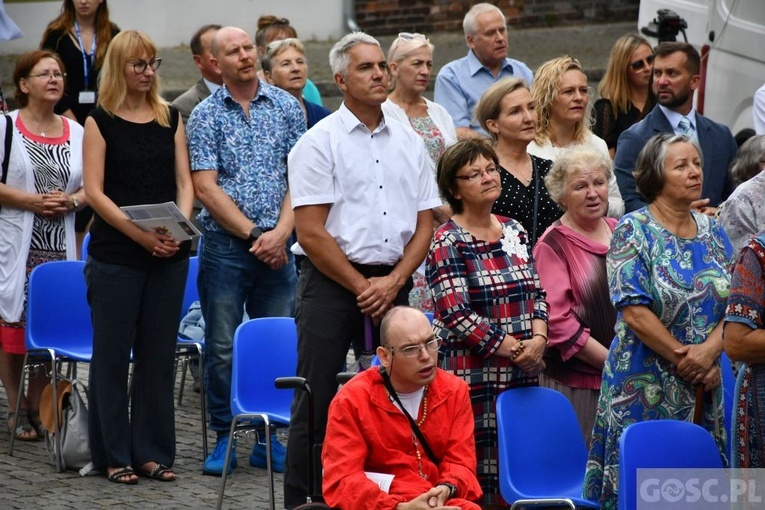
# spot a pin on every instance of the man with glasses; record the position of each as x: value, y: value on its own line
x: 239, y: 139
x: 363, y: 190
x: 676, y: 77
x: 371, y: 440
x: 460, y: 83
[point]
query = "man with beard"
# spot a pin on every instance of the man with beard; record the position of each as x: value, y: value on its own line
x: 239, y: 138
x: 675, y: 78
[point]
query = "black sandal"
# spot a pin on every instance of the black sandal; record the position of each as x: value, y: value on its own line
x: 21, y: 427
x: 34, y: 420
x: 122, y: 476
x: 158, y: 473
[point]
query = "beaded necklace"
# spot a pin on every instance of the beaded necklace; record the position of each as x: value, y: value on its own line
x: 417, y: 452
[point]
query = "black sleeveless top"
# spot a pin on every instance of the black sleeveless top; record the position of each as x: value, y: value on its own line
x: 139, y: 168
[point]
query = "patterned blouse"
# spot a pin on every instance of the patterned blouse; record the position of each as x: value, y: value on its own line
x: 431, y: 135
x: 484, y: 290
x: 746, y: 305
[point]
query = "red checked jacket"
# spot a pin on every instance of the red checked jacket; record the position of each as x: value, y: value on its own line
x: 367, y: 432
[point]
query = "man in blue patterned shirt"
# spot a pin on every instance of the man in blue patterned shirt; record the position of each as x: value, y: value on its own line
x: 239, y: 139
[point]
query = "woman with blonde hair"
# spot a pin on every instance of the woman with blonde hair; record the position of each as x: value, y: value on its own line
x: 625, y: 90
x: 134, y: 153
x: 270, y: 29
x: 285, y: 65
x: 562, y: 99
x: 507, y: 112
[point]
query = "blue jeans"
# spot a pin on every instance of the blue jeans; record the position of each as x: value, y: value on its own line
x: 231, y: 281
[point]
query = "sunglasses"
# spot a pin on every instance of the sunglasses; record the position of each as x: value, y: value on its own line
x: 639, y: 64
x: 408, y: 36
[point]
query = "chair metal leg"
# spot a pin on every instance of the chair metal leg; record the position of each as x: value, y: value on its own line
x: 203, y: 399
x: 184, y: 366
x: 18, y: 403
x: 269, y: 468
x: 226, y: 462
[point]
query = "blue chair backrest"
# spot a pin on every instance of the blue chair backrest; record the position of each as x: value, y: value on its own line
x: 190, y: 293
x: 662, y: 444
x: 58, y: 314
x: 429, y: 315
x: 539, y: 440
x: 264, y: 349
x: 84, y: 247
x: 729, y: 391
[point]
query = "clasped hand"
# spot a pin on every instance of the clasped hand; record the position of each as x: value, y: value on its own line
x: 55, y: 203
x: 697, y: 366
x: 270, y: 250
x: 434, y: 499
x: 159, y: 245
x: 378, y: 297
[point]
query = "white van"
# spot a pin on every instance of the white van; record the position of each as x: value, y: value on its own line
x: 732, y: 46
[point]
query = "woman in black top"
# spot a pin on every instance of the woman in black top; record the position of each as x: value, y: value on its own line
x: 134, y: 153
x: 507, y: 112
x: 80, y: 35
x: 625, y: 90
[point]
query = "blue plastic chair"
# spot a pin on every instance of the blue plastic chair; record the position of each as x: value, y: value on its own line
x: 662, y: 444
x: 264, y: 350
x: 186, y: 349
x: 542, y: 455
x: 58, y: 327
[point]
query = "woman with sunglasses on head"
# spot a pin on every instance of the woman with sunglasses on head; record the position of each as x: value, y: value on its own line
x: 80, y: 35
x: 625, y: 90
x: 490, y: 311
x: 270, y: 29
x: 562, y: 100
x: 42, y: 191
x: 410, y: 61
x: 134, y: 153
x: 285, y: 65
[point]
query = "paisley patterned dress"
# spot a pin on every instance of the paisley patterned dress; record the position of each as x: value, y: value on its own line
x: 685, y: 282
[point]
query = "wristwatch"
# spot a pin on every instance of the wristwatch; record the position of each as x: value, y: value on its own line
x: 254, y: 234
x: 75, y: 202
x: 452, y: 489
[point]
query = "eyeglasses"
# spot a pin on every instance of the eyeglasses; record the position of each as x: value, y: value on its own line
x: 412, y: 351
x: 639, y: 64
x: 55, y: 75
x: 408, y: 36
x: 140, y: 66
x: 475, y: 176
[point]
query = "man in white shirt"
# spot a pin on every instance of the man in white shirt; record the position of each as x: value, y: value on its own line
x: 362, y: 190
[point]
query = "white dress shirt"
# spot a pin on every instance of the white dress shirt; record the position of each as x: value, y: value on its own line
x: 376, y: 182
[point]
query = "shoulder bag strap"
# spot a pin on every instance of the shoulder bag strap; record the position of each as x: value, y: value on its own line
x: 412, y: 423
x: 536, y: 201
x: 8, y: 138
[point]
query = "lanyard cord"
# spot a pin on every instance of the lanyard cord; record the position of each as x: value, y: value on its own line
x: 87, y: 63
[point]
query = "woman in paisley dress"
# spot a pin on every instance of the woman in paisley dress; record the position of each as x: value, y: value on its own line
x: 410, y: 60
x: 490, y: 308
x: 37, y: 205
x: 743, y: 335
x: 668, y: 271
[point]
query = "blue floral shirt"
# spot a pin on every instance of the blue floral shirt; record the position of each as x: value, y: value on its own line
x: 250, y: 155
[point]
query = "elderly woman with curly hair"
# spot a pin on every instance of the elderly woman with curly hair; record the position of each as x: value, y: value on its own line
x: 562, y: 100
x: 571, y: 262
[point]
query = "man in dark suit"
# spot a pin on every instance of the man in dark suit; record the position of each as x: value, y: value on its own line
x: 211, y: 78
x: 675, y: 78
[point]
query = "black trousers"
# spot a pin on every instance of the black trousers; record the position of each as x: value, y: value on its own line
x: 328, y: 322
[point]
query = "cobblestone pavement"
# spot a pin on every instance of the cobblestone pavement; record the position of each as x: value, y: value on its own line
x: 29, y: 480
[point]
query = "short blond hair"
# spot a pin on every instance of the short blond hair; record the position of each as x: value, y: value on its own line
x: 570, y: 162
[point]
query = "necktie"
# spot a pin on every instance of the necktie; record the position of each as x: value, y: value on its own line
x: 685, y: 127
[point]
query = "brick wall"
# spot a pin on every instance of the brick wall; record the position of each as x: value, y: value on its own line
x: 384, y: 17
